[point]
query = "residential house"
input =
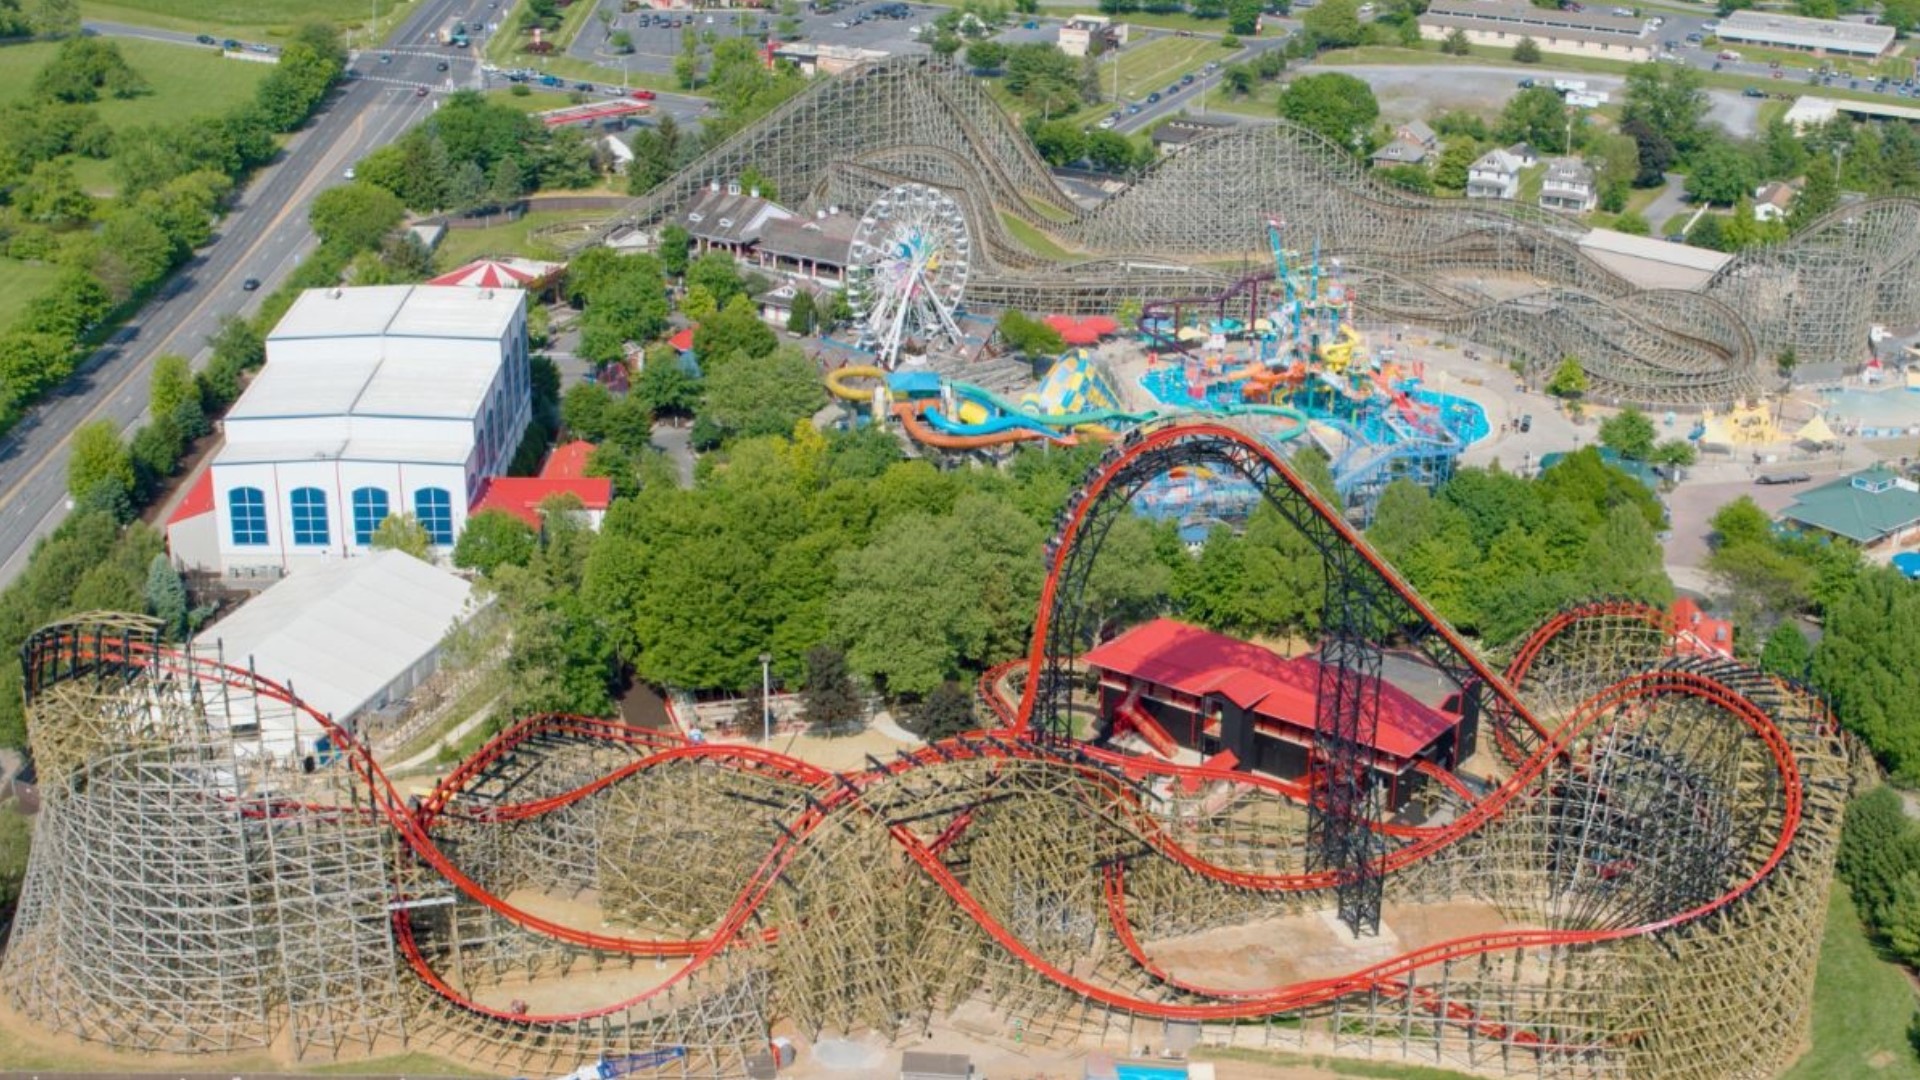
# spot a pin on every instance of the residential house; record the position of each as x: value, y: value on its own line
x: 1400, y: 152
x: 814, y: 249
x: 1495, y: 175
x: 1568, y: 187
x: 1419, y: 133
x: 1772, y: 200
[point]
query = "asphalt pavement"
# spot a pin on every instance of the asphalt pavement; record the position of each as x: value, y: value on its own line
x: 264, y: 236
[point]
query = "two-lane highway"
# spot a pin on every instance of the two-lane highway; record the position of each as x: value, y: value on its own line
x: 263, y: 236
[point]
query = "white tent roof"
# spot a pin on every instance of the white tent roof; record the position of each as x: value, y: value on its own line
x: 340, y: 632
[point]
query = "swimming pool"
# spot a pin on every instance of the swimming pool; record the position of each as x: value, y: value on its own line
x: 1150, y: 1072
x: 1872, y: 412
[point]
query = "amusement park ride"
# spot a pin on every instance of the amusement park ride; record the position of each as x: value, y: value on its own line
x: 220, y: 868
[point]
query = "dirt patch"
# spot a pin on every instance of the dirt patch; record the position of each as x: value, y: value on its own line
x: 1296, y: 948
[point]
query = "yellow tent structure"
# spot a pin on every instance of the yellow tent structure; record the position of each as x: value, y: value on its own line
x: 1748, y: 423
x: 1816, y: 432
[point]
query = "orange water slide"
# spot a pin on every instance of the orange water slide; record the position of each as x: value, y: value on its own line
x: 910, y: 415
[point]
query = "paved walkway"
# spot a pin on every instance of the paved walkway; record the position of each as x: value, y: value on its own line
x: 431, y: 754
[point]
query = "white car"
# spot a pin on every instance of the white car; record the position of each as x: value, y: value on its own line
x: 1106, y: 122
x: 349, y: 172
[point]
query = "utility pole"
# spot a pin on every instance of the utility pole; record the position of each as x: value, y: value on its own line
x: 766, y: 697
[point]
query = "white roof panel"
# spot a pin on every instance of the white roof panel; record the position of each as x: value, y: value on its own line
x: 341, y: 632
x: 456, y: 311
x: 334, y: 448
x: 357, y: 312
x: 446, y: 389
x: 328, y: 389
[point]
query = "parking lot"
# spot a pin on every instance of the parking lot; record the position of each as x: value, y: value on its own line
x: 657, y: 35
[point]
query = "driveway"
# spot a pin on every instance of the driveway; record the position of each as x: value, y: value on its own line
x: 1671, y: 200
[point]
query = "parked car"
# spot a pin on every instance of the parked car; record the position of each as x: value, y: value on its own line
x: 1754, y: 91
x: 584, y: 87
x: 231, y: 44
x: 1186, y: 80
x: 1106, y: 123
x: 1782, y: 478
x: 1153, y: 98
x: 643, y: 95
x: 440, y: 65
x: 205, y: 39
x: 250, y: 284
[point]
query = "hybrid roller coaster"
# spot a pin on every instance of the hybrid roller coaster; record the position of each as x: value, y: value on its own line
x: 220, y: 868
x: 1504, y: 274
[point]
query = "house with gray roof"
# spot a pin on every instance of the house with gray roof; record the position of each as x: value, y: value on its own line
x: 728, y: 219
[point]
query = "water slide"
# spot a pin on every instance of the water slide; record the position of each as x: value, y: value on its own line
x: 841, y: 382
x: 927, y: 426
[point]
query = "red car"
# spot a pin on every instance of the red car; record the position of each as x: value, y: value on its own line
x: 643, y: 95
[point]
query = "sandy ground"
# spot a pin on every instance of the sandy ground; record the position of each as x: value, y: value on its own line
x: 1297, y: 948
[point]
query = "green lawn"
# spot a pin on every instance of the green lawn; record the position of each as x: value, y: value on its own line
x: 1861, y: 1007
x: 1066, y: 9
x: 187, y: 80
x: 252, y: 19
x: 1036, y: 241
x: 1379, y: 1070
x: 21, y: 282
x: 1153, y: 65
x: 536, y: 101
x: 516, y: 238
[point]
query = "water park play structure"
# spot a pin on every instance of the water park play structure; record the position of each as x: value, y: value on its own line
x: 1505, y: 275
x: 1279, y: 344
x: 1637, y: 891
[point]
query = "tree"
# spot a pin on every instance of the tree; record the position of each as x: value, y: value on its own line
x: 355, y: 216
x: 1335, y: 24
x: 494, y: 538
x: 1028, y: 335
x: 1060, y: 142
x: 735, y: 329
x: 1820, y: 194
x: 943, y: 713
x: 1864, y: 664
x: 403, y: 532
x: 675, y: 245
x: 1526, y: 51
x: 749, y: 395
x: 1654, y: 151
x: 663, y: 386
x: 84, y: 67
x: 51, y: 195
x: 1632, y: 223
x: 100, y: 462
x: 830, y: 703
x: 1722, y: 173
x: 800, y: 317
x: 1670, y: 99
x: 1674, y: 453
x: 167, y: 597
x: 1536, y: 115
x: 55, y: 18
x: 1456, y: 161
x: 1902, y: 15
x: 716, y: 273
x: 1335, y: 105
x: 986, y: 55
x: 1786, y: 652
x: 173, y: 394
x: 1569, y: 379
x: 1411, y: 177
x: 1455, y: 43
x: 1628, y: 433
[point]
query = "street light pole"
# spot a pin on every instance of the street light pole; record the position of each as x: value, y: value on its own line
x: 766, y: 697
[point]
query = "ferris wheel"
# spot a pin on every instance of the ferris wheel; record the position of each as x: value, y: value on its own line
x: 907, y: 269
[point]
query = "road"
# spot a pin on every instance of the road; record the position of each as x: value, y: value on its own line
x: 264, y: 237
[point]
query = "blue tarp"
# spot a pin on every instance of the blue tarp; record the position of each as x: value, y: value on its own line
x: 1908, y: 563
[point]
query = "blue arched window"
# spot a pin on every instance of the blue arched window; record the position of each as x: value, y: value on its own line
x: 434, y: 508
x: 369, y: 510
x: 247, y: 512
x: 309, y: 516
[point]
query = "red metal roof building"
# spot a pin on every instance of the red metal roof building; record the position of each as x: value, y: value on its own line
x: 564, y: 473
x: 1213, y: 693
x: 1698, y: 633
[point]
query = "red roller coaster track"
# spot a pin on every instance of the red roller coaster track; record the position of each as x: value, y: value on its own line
x: 826, y: 794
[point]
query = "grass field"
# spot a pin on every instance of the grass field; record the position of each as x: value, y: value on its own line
x: 21, y: 282
x: 187, y: 81
x: 1861, y: 1007
x: 537, y: 101
x: 253, y: 19
x: 1035, y: 240
x: 1153, y: 65
x: 515, y: 238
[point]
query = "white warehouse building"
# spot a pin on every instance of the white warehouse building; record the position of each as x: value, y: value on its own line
x: 373, y: 401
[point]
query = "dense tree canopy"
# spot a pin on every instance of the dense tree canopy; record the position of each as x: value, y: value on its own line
x: 1336, y: 105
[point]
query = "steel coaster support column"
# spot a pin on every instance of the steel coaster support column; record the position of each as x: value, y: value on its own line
x: 1341, y: 820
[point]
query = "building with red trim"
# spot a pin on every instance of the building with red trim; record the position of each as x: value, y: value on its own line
x: 563, y: 473
x: 1698, y: 633
x: 1217, y: 694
